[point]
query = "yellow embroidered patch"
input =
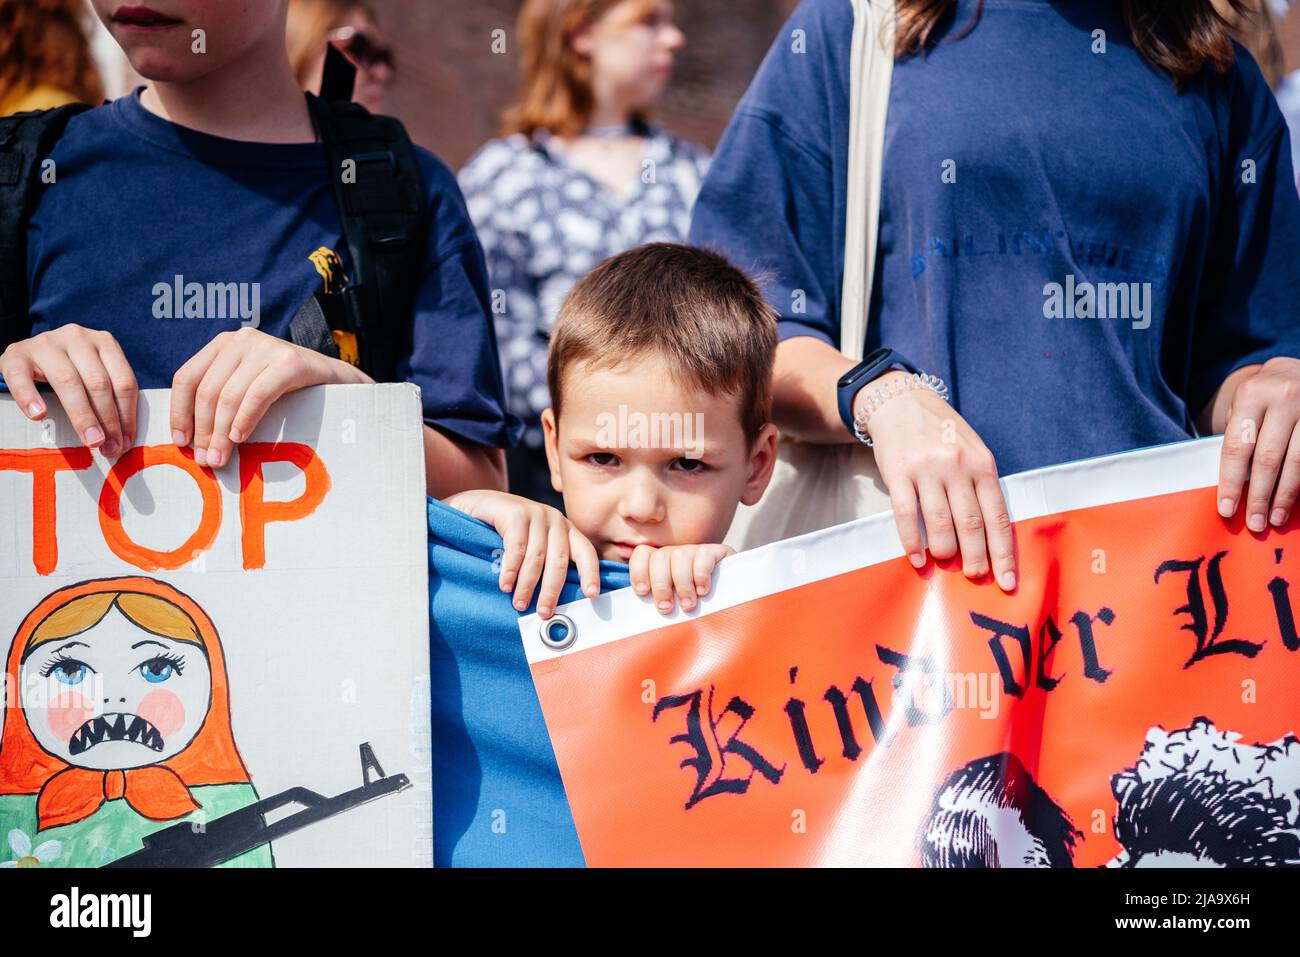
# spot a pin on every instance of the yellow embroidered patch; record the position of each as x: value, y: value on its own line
x: 347, y: 343
x: 330, y: 268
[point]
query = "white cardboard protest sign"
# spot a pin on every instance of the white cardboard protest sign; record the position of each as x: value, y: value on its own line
x: 290, y: 584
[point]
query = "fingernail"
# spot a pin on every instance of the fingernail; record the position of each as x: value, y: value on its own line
x: 642, y: 589
x: 1226, y: 507
x: 110, y: 447
x: 201, y: 456
x: 178, y: 437
x: 665, y: 606
x: 545, y: 611
x: 591, y: 591
x: 35, y: 409
x: 687, y: 604
x: 1008, y: 580
x: 521, y: 604
x: 216, y: 459
x: 236, y: 436
x: 94, y: 436
x: 1279, y: 516
x: 917, y: 559
x: 1256, y: 522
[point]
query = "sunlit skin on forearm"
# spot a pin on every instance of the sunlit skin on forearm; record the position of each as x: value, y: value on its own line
x: 936, y: 468
x: 454, y: 465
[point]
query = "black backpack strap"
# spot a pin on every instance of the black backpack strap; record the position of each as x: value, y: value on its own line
x: 310, y: 327
x: 380, y: 194
x: 26, y: 139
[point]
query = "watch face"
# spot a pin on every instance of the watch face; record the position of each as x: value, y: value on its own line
x: 876, y: 356
x: 868, y: 364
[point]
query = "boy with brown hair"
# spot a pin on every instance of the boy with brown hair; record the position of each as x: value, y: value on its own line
x: 660, y: 372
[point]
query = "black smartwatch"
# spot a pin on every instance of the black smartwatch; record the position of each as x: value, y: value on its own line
x: 869, y: 369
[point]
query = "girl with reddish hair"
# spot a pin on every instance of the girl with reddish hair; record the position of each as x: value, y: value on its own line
x: 580, y: 173
x: 45, y: 57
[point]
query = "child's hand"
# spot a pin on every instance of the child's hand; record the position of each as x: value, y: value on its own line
x: 222, y: 392
x: 688, y: 569
x: 537, y: 542
x: 88, y: 372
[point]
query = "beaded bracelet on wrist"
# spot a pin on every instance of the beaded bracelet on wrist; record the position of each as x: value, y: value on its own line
x: 879, y: 396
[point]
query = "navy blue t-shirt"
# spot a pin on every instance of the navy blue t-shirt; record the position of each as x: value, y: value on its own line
x: 1068, y: 166
x: 139, y: 201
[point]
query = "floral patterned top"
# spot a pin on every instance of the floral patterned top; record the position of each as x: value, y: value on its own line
x: 544, y: 223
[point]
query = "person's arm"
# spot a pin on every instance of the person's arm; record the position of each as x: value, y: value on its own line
x: 805, y: 402
x: 1245, y: 377
x: 452, y: 464
x: 934, y: 466
x: 453, y: 354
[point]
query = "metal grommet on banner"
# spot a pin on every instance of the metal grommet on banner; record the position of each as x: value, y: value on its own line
x: 558, y: 632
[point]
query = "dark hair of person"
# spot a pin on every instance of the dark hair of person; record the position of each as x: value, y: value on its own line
x: 1181, y: 37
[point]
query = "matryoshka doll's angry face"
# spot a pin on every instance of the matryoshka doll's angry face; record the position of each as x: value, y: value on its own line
x: 115, y: 695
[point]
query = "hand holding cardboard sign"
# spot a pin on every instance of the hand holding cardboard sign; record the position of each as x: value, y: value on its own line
x: 88, y: 372
x: 220, y: 394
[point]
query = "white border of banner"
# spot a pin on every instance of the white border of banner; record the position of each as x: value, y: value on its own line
x: 1160, y: 470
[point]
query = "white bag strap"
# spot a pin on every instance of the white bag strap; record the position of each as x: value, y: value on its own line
x: 871, y: 69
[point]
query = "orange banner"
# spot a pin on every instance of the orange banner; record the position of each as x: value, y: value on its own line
x: 1131, y: 703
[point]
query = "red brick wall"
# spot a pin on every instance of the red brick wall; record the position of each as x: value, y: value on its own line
x: 451, y: 88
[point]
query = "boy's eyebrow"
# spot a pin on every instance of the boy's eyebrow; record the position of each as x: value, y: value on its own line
x: 675, y: 451
x: 148, y: 641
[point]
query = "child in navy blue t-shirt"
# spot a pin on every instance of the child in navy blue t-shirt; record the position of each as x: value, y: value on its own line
x: 212, y: 175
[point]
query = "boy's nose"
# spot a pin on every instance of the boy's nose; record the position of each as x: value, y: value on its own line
x: 642, y: 503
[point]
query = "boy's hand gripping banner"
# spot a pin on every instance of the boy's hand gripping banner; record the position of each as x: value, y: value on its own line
x: 1132, y: 703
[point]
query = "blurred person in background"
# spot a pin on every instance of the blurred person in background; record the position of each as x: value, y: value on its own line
x: 1254, y: 24
x: 579, y: 174
x: 1288, y: 89
x: 351, y: 25
x: 45, y: 57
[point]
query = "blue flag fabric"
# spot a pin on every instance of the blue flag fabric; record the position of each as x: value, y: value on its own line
x: 498, y: 800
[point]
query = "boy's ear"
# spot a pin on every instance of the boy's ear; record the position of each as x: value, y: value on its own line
x: 550, y: 430
x: 762, y: 460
